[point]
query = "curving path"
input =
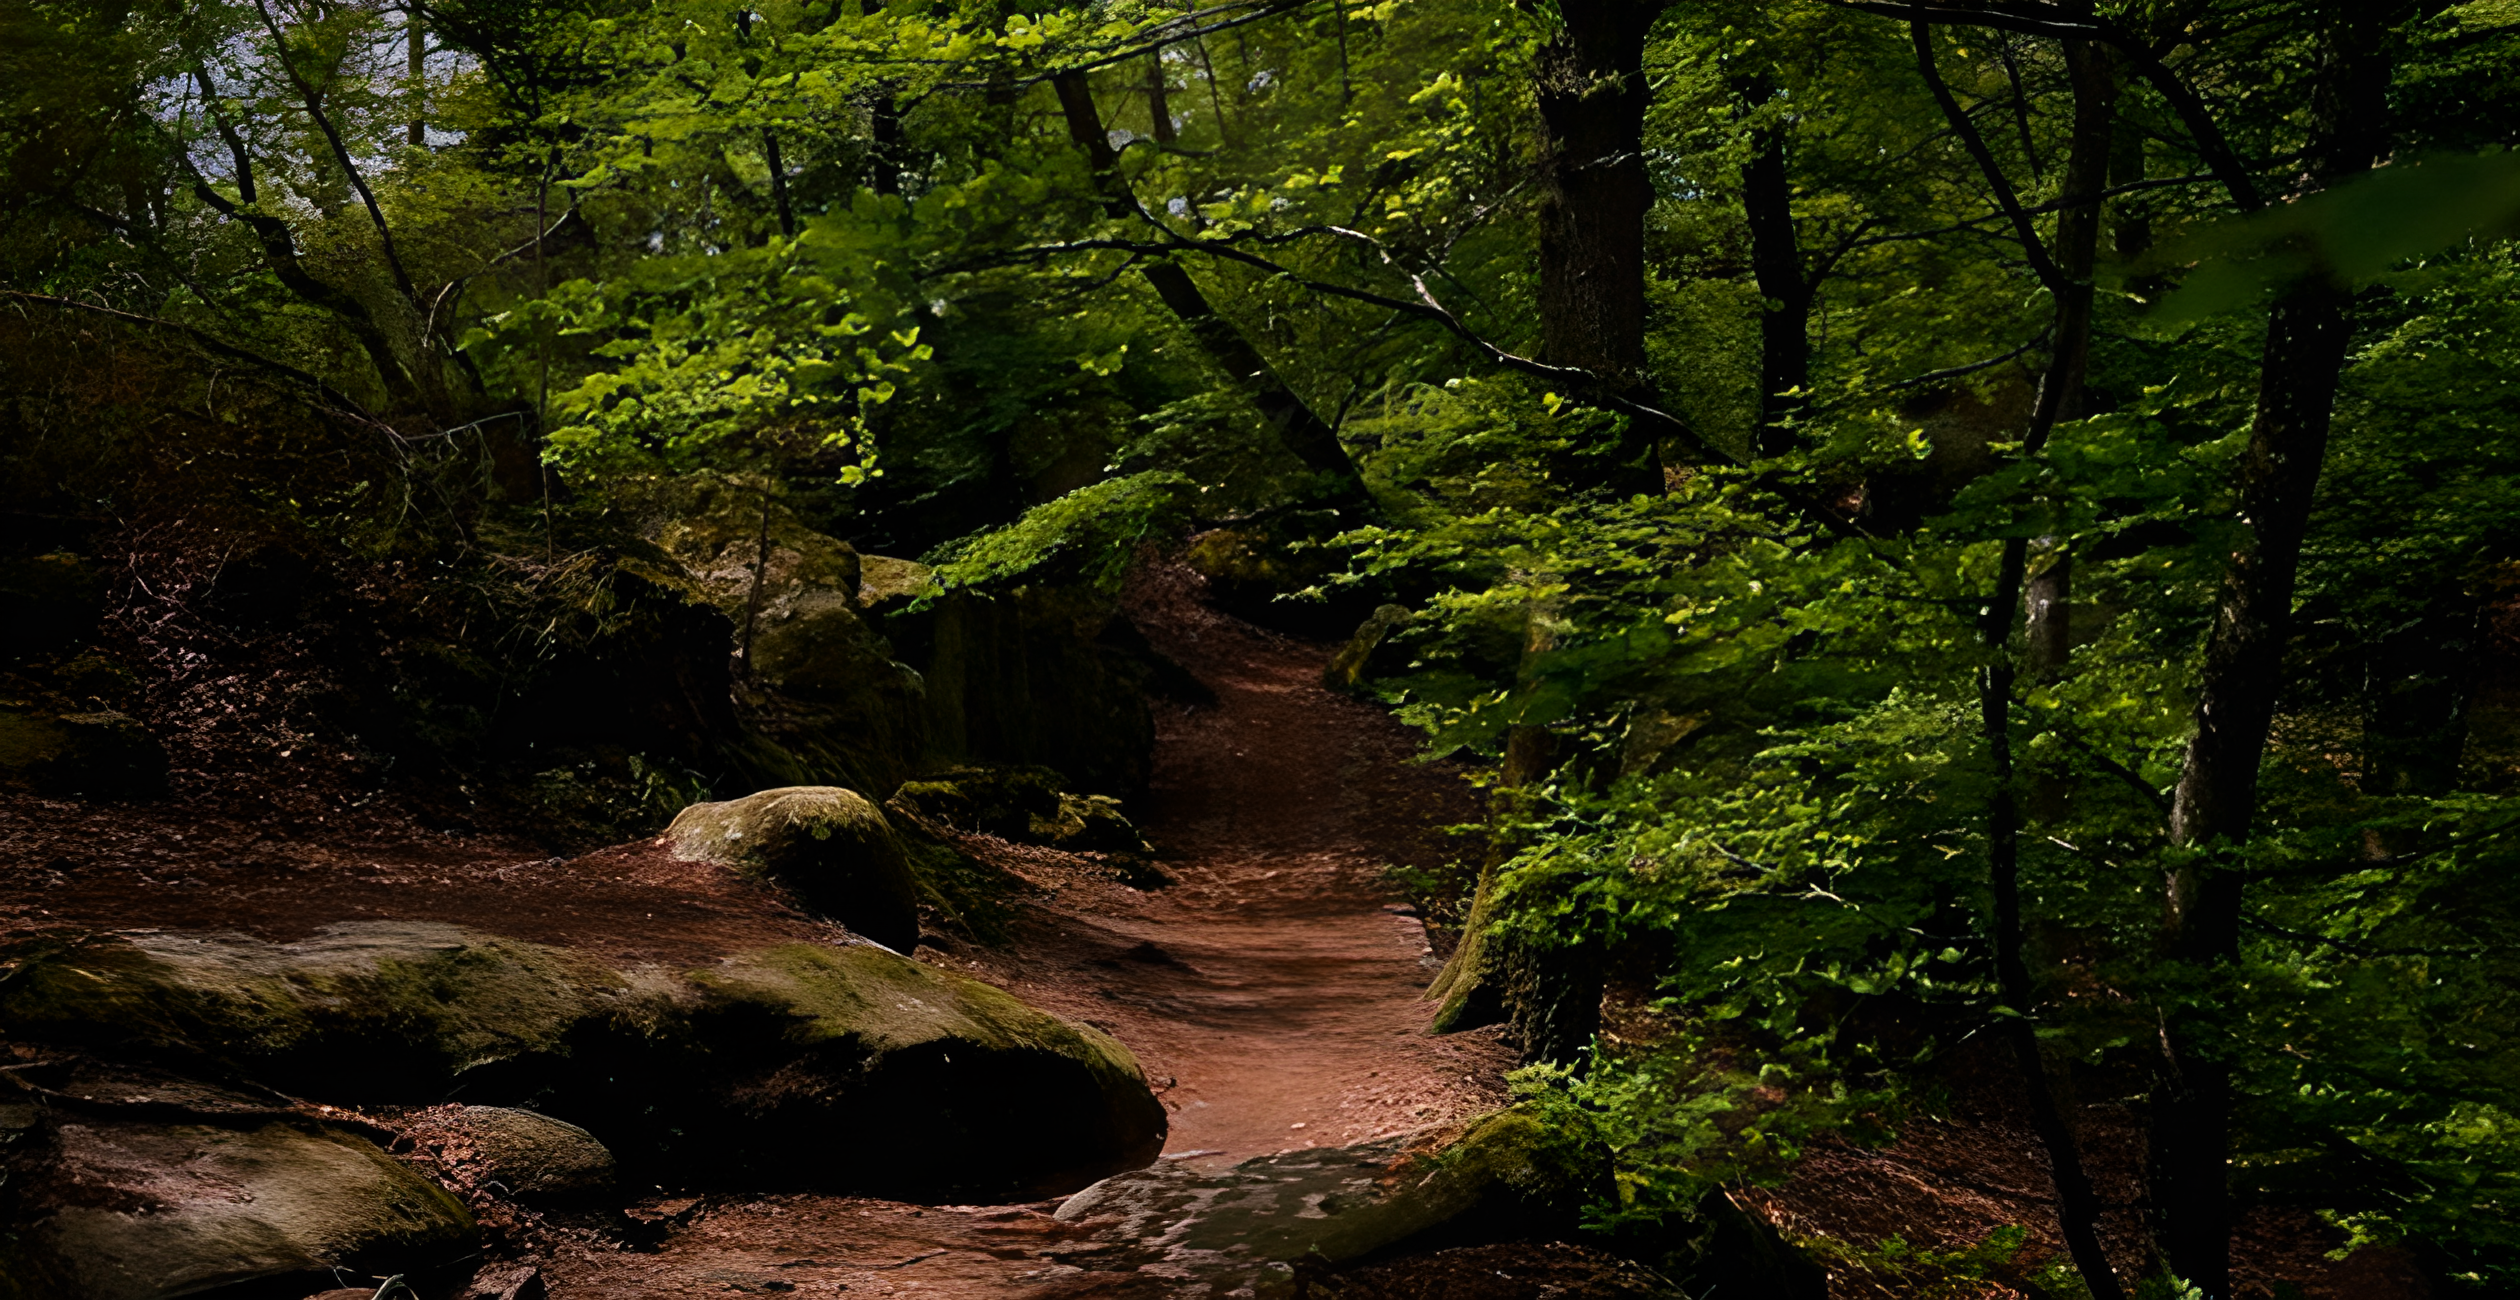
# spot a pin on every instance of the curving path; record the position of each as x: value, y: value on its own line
x: 1272, y: 993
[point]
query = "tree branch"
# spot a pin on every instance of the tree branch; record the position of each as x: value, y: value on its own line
x: 1921, y: 36
x: 349, y: 406
x: 341, y: 152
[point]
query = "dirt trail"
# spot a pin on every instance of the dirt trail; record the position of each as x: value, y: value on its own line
x: 1273, y: 993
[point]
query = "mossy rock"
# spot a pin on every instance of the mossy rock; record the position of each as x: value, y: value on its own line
x: 901, y: 1075
x: 535, y: 1157
x: 839, y: 1068
x: 377, y: 1011
x: 95, y: 755
x: 1026, y: 805
x: 886, y: 584
x: 1503, y: 1176
x: 831, y: 846
x: 108, y: 1208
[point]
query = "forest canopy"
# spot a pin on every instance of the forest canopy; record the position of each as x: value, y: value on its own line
x: 1946, y: 525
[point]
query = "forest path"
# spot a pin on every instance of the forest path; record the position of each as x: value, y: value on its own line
x: 1273, y: 993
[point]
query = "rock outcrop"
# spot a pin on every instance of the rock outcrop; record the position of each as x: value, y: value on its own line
x: 831, y: 847
x: 1026, y: 805
x: 846, y: 1068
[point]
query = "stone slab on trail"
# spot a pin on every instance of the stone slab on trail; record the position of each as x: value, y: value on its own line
x: 1259, y: 1223
x: 833, y: 1066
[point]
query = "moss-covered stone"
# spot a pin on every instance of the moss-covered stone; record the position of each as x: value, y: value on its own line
x: 1502, y: 1176
x: 845, y: 1068
x: 972, y: 1093
x: 110, y: 1209
x: 100, y: 755
x: 535, y: 1157
x: 831, y: 846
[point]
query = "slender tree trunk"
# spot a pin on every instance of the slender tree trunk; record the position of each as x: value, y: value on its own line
x: 2065, y: 266
x: 1595, y: 195
x: 2307, y: 337
x: 415, y: 66
x: 2060, y: 398
x: 884, y: 145
x: 1158, y: 100
x: 778, y: 182
x: 1785, y: 291
x: 1552, y: 996
x: 1304, y: 433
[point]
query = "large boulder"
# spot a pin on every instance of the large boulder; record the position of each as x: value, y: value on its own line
x: 831, y: 847
x: 823, y: 688
x: 838, y: 1067
x: 113, y: 1206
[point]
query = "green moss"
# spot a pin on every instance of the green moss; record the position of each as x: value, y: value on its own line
x: 887, y: 1002
x: 456, y: 999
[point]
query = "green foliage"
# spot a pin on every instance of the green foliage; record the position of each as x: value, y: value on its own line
x: 1089, y: 534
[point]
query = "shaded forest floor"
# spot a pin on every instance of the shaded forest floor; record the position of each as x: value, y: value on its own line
x: 1273, y: 994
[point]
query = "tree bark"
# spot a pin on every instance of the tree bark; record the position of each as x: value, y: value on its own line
x: 1305, y: 434
x: 1785, y: 290
x: 1551, y: 995
x: 2307, y: 337
x: 1158, y: 101
x: 1595, y: 195
x: 778, y: 182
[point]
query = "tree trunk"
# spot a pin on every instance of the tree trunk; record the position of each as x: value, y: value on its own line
x: 1304, y: 433
x: 1158, y: 101
x: 1785, y: 290
x: 1551, y: 995
x: 2307, y: 336
x: 415, y: 66
x: 1595, y: 195
x: 2064, y: 265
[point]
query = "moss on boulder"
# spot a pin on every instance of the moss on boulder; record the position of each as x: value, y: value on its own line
x: 829, y: 845
x: 534, y: 1156
x: 846, y: 1068
x: 1500, y: 1177
x: 97, y: 755
x: 110, y: 1209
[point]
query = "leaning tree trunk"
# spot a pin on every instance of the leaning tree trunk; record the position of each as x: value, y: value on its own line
x: 2307, y: 336
x: 1304, y: 433
x: 1595, y: 195
x: 2064, y: 265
